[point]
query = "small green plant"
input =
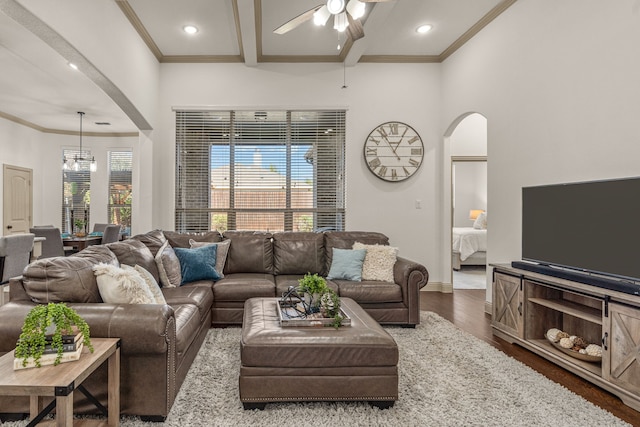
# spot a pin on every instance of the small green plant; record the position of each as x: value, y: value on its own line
x: 322, y: 298
x: 32, y: 340
x: 79, y: 225
x: 312, y: 284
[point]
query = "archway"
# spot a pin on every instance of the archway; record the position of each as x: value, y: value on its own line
x: 464, y: 163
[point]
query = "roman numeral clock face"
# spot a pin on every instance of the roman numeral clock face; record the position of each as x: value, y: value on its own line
x: 393, y: 151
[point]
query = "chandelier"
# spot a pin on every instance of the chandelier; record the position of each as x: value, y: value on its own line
x: 73, y: 163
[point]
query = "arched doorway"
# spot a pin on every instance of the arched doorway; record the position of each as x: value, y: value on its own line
x: 465, y: 198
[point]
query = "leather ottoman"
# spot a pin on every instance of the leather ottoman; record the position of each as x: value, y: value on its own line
x: 351, y: 363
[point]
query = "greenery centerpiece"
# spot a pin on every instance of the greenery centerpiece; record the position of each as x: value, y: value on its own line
x: 53, y: 321
x: 320, y: 298
x: 80, y: 232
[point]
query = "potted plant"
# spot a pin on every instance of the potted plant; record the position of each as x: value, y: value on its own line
x: 312, y: 287
x: 52, y: 320
x: 79, y: 228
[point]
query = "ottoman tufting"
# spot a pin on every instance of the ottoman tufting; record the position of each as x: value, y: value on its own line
x: 351, y: 363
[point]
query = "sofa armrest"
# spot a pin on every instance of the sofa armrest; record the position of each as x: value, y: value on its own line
x: 411, y: 277
x: 142, y: 328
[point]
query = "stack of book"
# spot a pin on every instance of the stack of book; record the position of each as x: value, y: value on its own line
x: 72, y: 347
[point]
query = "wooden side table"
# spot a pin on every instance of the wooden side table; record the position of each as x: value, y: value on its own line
x: 61, y: 381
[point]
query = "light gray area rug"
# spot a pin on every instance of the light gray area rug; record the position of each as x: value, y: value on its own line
x: 447, y: 378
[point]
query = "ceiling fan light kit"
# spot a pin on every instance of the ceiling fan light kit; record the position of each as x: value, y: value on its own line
x: 335, y: 6
x: 321, y: 16
x: 340, y: 22
x: 356, y: 8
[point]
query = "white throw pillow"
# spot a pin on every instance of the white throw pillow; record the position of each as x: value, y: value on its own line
x: 481, y: 222
x: 221, y: 254
x: 152, y: 284
x: 121, y: 286
x: 379, y: 261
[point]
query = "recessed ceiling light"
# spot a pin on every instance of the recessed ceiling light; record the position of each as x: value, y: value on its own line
x: 190, y: 29
x: 72, y: 65
x: 424, y: 29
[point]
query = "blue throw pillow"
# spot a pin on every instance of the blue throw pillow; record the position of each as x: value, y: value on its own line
x: 347, y: 264
x: 198, y: 263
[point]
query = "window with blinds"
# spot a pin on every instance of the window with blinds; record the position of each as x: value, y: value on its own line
x: 260, y: 170
x: 120, y: 189
x: 76, y: 192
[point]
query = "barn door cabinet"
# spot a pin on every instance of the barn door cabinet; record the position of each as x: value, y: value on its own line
x: 527, y: 304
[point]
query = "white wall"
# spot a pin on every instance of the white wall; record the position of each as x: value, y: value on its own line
x: 470, y: 137
x: 42, y: 152
x: 376, y: 93
x: 558, y: 83
x: 470, y: 190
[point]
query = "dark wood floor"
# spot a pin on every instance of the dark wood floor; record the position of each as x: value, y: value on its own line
x: 465, y: 309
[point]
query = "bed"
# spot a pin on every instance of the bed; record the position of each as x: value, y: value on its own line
x: 469, y: 247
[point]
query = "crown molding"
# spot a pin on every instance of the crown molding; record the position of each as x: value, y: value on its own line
x: 39, y: 128
x: 128, y: 11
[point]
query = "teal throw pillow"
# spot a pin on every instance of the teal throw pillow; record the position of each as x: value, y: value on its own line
x: 347, y: 264
x: 198, y: 263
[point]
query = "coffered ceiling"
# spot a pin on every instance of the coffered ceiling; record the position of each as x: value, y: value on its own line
x: 36, y: 90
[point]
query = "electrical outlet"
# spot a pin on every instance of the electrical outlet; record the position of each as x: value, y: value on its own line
x: 418, y: 204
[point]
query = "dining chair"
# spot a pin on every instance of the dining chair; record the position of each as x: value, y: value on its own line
x: 53, y: 245
x: 15, y: 253
x: 111, y: 233
x: 99, y: 228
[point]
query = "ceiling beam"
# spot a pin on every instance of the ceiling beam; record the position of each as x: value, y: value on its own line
x: 40, y: 29
x: 249, y: 35
x: 376, y: 19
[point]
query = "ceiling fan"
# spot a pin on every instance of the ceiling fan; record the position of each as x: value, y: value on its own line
x: 346, y: 17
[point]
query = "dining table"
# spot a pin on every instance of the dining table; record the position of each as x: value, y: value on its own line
x: 79, y: 243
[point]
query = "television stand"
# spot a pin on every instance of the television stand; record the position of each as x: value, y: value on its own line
x: 526, y: 304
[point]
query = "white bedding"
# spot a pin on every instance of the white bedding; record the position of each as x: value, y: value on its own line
x: 468, y: 240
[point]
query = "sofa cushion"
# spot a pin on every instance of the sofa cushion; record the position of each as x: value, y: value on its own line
x: 250, y: 252
x: 346, y: 239
x: 168, y: 266
x: 98, y: 253
x: 370, y: 291
x: 298, y: 253
x: 61, y: 279
x: 198, y: 294
x: 134, y: 252
x: 221, y: 254
x: 153, y: 240
x: 122, y: 285
x: 198, y: 263
x: 242, y: 286
x: 378, y: 262
x: 181, y: 240
x: 347, y: 264
x: 283, y: 281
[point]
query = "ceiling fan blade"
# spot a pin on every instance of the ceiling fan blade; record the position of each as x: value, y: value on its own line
x: 293, y: 23
x: 355, y: 29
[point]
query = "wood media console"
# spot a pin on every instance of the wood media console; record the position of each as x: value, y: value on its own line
x: 527, y: 304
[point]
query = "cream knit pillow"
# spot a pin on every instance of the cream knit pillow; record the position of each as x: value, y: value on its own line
x: 379, y: 261
x: 121, y: 286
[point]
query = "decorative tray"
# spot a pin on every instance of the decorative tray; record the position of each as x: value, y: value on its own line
x: 573, y: 353
x: 292, y: 317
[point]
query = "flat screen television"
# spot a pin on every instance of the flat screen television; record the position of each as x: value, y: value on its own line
x: 588, y: 227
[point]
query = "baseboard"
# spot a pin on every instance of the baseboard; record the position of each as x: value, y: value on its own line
x: 445, y: 288
x: 488, y: 308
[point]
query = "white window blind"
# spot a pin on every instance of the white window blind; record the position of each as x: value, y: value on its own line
x: 76, y: 192
x: 260, y: 170
x: 120, y: 188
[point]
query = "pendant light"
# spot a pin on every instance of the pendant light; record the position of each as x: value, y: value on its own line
x: 73, y: 163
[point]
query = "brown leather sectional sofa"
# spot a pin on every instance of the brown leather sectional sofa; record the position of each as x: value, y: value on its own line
x: 159, y: 342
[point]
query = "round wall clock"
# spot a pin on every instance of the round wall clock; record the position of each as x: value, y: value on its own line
x: 393, y: 151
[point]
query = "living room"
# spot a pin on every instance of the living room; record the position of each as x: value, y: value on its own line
x: 557, y: 82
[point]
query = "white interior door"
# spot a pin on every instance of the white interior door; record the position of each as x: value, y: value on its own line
x: 17, y: 199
